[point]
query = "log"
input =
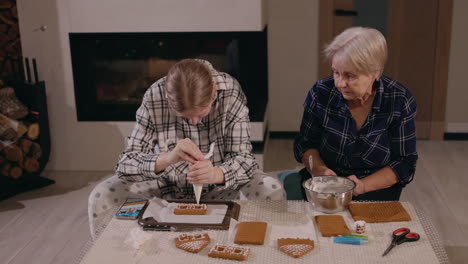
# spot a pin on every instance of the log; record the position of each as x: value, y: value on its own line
x: 5, y: 170
x: 14, y: 12
x: 25, y: 145
x: 16, y: 172
x: 31, y: 165
x: 6, y: 132
x: 13, y: 33
x: 11, y: 105
x: 3, y: 39
x: 33, y: 131
x: 35, y: 151
x: 5, y: 5
x: 13, y: 153
x: 21, y: 129
x: 6, y: 20
x: 11, y: 129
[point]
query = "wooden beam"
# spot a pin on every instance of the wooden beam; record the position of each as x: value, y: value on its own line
x: 441, y: 68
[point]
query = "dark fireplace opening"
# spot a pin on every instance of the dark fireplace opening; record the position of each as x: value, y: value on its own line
x: 112, y: 71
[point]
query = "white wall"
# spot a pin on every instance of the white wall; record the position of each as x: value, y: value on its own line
x: 456, y: 114
x: 165, y: 15
x: 96, y: 145
x: 292, y: 60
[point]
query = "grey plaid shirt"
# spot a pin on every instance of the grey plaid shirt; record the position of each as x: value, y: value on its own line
x: 157, y: 130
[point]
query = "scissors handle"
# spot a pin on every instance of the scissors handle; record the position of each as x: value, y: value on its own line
x: 410, y: 237
x: 401, y: 232
x: 399, y: 236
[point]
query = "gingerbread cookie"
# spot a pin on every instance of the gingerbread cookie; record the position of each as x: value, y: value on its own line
x: 332, y: 225
x: 229, y: 252
x: 192, y: 242
x: 251, y: 233
x: 379, y: 212
x: 295, y: 247
x: 190, y: 209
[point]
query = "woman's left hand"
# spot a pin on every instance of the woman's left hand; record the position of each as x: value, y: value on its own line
x: 360, y: 187
x: 202, y: 172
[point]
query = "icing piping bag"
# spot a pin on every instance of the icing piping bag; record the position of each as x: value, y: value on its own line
x: 197, y: 188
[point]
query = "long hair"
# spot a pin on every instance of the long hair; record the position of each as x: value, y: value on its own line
x: 189, y: 85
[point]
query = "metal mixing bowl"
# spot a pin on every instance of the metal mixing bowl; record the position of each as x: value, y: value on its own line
x: 329, y: 194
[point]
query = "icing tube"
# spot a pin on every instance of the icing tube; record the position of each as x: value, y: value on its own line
x: 358, y: 236
x: 349, y: 240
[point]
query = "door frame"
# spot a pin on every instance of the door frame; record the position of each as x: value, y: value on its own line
x: 441, y: 65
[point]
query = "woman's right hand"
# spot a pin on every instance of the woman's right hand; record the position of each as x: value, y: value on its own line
x: 185, y: 150
x: 322, y: 171
x: 318, y: 167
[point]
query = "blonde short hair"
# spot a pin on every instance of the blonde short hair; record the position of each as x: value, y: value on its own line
x: 189, y: 85
x: 363, y: 49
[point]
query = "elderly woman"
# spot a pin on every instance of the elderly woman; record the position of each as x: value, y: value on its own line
x: 359, y: 123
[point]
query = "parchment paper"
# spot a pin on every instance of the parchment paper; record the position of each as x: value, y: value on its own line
x: 163, y: 211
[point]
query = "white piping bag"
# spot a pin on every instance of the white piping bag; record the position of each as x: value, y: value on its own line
x: 197, y: 188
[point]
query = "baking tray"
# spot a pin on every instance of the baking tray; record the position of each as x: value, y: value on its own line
x: 233, y: 210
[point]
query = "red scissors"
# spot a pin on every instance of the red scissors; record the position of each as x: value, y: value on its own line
x: 401, y: 235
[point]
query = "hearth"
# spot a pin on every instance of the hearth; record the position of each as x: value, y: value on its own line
x: 112, y: 71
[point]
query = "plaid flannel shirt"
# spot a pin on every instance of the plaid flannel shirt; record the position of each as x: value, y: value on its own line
x: 387, y: 137
x: 157, y: 130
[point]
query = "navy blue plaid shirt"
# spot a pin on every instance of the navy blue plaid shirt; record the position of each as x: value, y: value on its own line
x: 387, y: 137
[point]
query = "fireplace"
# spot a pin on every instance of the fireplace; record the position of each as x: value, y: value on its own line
x: 112, y: 71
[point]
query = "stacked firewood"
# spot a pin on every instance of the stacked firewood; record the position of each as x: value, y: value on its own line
x: 19, y: 132
x: 10, y: 41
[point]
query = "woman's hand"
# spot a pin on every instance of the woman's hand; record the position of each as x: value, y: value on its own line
x: 185, y: 150
x: 315, y: 165
x: 360, y: 187
x: 203, y: 172
x: 322, y: 171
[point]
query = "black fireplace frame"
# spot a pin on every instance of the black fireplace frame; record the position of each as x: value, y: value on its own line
x: 252, y: 74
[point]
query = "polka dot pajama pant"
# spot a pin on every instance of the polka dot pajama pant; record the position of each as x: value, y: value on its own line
x: 113, y: 191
